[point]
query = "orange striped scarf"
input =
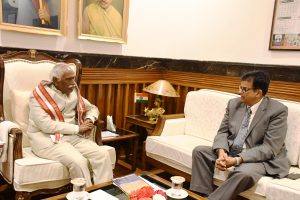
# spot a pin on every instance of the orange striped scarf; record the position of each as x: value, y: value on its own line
x: 48, y: 105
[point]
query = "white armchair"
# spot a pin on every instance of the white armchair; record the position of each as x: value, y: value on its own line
x: 20, y: 72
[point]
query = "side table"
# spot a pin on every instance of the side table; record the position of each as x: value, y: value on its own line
x: 124, y: 135
x: 141, y: 121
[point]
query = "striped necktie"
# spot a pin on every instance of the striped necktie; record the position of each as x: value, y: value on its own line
x: 239, y: 140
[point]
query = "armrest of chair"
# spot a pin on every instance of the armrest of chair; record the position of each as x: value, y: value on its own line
x: 172, y: 124
x: 13, y: 152
x: 17, y: 136
x: 99, y: 127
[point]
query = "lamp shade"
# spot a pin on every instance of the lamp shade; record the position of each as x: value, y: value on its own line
x: 163, y: 88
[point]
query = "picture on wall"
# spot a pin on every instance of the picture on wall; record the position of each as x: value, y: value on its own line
x: 103, y: 20
x: 285, y: 34
x: 34, y: 16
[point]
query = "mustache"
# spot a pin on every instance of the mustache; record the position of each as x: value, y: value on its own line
x: 72, y: 86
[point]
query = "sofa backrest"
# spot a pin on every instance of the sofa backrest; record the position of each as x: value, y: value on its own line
x: 292, y: 140
x: 204, y: 110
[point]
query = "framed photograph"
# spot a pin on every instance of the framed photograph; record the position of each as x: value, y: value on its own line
x: 285, y: 34
x: 34, y: 16
x: 103, y: 20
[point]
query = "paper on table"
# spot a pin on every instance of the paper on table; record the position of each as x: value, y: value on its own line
x: 108, y: 134
x: 100, y: 194
x: 155, y: 187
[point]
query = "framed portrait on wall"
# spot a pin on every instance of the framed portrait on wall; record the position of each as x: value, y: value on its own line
x: 285, y: 34
x: 34, y: 16
x: 103, y: 20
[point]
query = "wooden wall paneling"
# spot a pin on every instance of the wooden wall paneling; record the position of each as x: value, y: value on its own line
x: 100, y: 102
x: 136, y: 90
x: 284, y: 90
x: 113, y: 90
x: 179, y: 99
x: 91, y: 93
x: 119, y: 105
x: 131, y: 104
x: 109, y: 99
x: 126, y: 105
x: 82, y: 90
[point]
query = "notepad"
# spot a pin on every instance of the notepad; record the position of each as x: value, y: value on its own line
x: 108, y: 134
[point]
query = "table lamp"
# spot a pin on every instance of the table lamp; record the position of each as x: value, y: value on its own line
x: 162, y: 88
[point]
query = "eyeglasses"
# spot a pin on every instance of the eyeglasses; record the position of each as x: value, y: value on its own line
x: 244, y: 89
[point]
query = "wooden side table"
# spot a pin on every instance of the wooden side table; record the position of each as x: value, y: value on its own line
x: 124, y: 135
x: 140, y: 120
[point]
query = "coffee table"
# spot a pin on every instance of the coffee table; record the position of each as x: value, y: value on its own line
x: 117, y: 192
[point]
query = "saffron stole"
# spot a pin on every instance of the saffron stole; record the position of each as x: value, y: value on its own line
x: 49, y: 106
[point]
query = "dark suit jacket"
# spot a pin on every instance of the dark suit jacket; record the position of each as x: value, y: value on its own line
x: 267, y: 131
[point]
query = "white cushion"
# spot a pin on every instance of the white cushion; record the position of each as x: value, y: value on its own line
x: 20, y: 108
x: 177, y: 148
x: 20, y: 112
x: 32, y: 169
x: 204, y: 111
x: 174, y: 127
x: 292, y: 139
x: 285, y: 188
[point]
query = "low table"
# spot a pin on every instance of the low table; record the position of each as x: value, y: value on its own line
x: 117, y: 192
x: 124, y: 135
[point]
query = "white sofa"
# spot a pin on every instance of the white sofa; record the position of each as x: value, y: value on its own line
x: 175, y: 138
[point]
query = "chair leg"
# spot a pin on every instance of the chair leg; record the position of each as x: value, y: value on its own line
x: 144, y: 160
x: 23, y: 195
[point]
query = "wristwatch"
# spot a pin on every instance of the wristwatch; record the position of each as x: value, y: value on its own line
x: 238, y: 160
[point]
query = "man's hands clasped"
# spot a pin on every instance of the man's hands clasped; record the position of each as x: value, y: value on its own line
x: 86, y: 127
x: 224, y: 161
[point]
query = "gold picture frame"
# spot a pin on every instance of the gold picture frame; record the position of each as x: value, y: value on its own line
x: 284, y: 34
x: 23, y: 16
x: 102, y: 21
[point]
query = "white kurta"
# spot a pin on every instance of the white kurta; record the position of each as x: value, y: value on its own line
x: 78, y: 154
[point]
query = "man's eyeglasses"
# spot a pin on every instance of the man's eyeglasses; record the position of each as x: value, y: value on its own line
x: 244, y: 89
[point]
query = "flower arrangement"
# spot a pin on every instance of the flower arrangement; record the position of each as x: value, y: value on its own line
x: 147, y: 193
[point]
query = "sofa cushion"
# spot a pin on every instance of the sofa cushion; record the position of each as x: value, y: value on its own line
x: 20, y: 111
x: 32, y: 169
x: 285, y: 188
x: 20, y: 108
x: 292, y: 139
x: 204, y: 111
x: 177, y: 148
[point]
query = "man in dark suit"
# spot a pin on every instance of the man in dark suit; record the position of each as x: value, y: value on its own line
x: 250, y: 138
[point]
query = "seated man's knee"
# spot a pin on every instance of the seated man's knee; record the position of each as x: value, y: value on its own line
x: 201, y: 150
x: 242, y: 175
x: 81, y: 162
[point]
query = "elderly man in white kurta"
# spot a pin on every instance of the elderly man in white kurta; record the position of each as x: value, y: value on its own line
x: 60, y: 122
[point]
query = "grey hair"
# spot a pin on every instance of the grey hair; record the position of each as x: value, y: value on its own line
x: 58, y: 70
